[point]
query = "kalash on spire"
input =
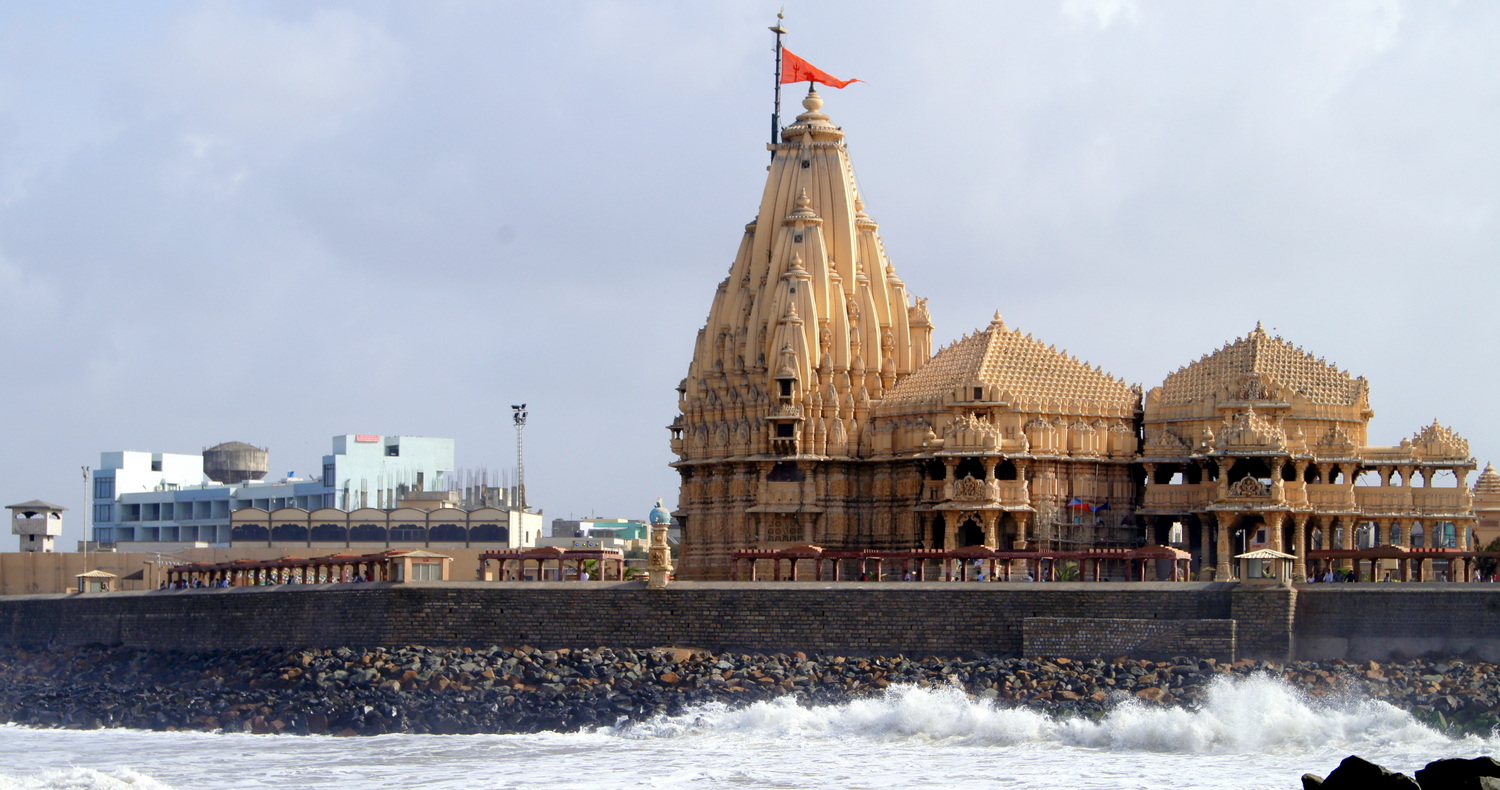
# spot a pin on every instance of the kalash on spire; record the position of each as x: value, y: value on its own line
x: 807, y: 333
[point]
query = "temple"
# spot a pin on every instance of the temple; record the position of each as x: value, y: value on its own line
x: 816, y: 420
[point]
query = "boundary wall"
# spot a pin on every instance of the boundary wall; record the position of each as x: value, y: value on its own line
x: 928, y: 618
x: 1355, y: 622
x: 1385, y: 622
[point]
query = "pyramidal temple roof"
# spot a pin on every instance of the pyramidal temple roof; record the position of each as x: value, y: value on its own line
x: 1488, y: 482
x: 1017, y: 364
x: 1274, y: 358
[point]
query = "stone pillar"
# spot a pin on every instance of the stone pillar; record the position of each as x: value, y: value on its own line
x: 1021, y: 520
x: 1299, y: 545
x: 1274, y: 521
x: 1221, y: 568
x: 659, y: 555
x: 1347, y: 542
x: 1205, y: 541
x: 991, y: 529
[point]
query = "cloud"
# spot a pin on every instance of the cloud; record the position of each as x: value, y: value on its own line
x: 1102, y: 13
x: 228, y: 72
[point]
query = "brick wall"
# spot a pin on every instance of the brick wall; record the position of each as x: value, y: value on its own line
x: 1264, y: 617
x: 1378, y: 622
x: 1097, y: 637
x: 1353, y: 621
x: 919, y: 618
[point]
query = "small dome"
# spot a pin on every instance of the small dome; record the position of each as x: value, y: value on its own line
x: 659, y: 514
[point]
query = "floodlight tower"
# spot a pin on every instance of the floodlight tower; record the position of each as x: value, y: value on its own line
x: 519, y: 415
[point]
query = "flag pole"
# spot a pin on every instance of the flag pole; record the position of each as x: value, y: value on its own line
x: 776, y: 113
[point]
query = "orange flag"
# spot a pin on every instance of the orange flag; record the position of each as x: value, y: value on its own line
x: 795, y: 69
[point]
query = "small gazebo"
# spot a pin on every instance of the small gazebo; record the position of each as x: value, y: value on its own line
x: 1266, y: 566
x: 96, y: 581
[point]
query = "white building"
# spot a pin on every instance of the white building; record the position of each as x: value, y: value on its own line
x: 164, y: 502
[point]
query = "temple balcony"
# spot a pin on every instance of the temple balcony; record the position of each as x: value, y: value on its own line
x: 1178, y: 496
x: 1442, y: 500
x: 1006, y: 492
x: 1013, y: 492
x: 1391, y: 499
x: 1326, y: 496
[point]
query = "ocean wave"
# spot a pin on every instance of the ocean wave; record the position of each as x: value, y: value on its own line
x: 1255, y: 714
x: 81, y: 779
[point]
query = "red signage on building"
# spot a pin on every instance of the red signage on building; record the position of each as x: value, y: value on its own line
x: 365, y: 437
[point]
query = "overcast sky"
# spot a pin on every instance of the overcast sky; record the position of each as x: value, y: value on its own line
x: 276, y: 222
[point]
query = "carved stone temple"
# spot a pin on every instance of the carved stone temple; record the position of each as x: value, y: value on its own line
x: 815, y: 412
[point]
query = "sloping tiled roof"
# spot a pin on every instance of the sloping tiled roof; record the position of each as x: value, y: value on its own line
x: 1257, y: 352
x: 1018, y: 364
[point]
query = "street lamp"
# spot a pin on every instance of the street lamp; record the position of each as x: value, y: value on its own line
x: 519, y: 416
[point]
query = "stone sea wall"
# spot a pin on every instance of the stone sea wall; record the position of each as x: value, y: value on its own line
x: 931, y: 618
x: 1356, y: 622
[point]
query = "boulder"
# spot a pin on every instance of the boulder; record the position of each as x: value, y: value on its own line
x: 1355, y: 773
x: 1458, y: 773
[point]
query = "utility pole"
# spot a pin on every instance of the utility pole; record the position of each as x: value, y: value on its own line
x: 519, y: 415
x: 87, y: 514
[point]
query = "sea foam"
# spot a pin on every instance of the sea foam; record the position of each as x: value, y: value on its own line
x: 81, y: 779
x: 1256, y: 714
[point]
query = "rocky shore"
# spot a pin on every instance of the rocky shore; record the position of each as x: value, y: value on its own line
x: 521, y: 689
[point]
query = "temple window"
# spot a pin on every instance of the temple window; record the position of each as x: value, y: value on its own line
x: 783, y: 430
x: 785, y: 472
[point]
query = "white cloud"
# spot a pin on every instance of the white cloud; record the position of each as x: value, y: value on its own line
x: 231, y: 72
x: 1102, y: 13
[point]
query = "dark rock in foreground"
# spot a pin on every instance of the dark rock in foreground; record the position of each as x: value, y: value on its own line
x: 1355, y: 773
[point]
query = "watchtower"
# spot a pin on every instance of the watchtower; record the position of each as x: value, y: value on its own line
x: 38, y: 523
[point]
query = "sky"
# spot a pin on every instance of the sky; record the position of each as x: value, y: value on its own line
x: 276, y: 222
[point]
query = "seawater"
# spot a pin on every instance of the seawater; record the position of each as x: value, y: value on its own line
x: 1257, y: 732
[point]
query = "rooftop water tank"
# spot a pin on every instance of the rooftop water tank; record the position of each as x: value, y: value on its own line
x: 234, y: 463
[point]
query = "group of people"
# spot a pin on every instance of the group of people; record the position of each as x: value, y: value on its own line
x: 196, y: 584
x: 1340, y: 575
x: 184, y: 584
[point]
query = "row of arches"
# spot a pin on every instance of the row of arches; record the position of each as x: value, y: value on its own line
x: 370, y: 533
x: 1314, y: 473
